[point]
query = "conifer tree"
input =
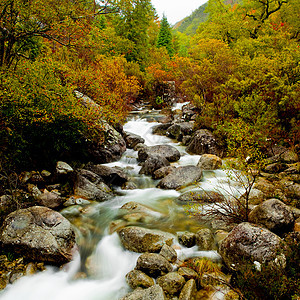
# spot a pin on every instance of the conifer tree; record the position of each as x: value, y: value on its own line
x: 165, y: 36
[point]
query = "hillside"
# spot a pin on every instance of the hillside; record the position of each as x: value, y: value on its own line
x: 190, y: 24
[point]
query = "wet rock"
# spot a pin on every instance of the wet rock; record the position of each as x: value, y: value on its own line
x: 256, y: 196
x: 291, y: 189
x: 73, y: 200
x: 39, y: 233
x: 161, y: 129
x: 132, y: 139
x: 189, y: 291
x: 247, y: 243
x: 154, y: 292
x: 168, y: 253
x: 275, y: 167
x: 112, y: 148
x: 117, y: 225
x: 109, y: 175
x: 293, y: 169
x: 162, y: 172
x: 283, y: 155
x: 187, y: 273
x: 172, y: 283
x: 45, y: 173
x: 186, y: 238
x: 30, y: 269
x: 15, y: 275
x: 265, y: 186
x: 153, y: 163
x: 209, y: 162
x: 153, y: 264
x: 274, y: 215
x: 180, y: 177
x: 186, y: 140
x: 139, y: 146
x: 166, y: 151
x: 189, y: 111
x: 50, y: 199
x: 62, y: 168
x: 33, y: 177
x: 200, y: 196
x: 134, y: 207
x: 129, y: 185
x: 204, y: 239
x: 97, y: 191
x: 136, y: 278
x: 138, y: 239
x: 204, y: 142
x: 178, y: 130
x: 33, y: 190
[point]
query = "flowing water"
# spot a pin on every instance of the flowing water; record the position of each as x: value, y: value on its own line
x: 98, y: 272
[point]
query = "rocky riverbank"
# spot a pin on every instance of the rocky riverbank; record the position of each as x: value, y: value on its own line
x: 38, y: 234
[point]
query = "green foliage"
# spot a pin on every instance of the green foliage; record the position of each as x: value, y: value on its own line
x: 165, y: 36
x: 40, y: 118
x: 134, y: 20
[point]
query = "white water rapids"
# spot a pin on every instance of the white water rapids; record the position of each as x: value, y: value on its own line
x: 102, y: 256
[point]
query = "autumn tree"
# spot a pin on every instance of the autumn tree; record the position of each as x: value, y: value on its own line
x: 23, y: 22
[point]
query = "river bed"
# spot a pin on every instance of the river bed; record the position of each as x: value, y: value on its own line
x: 98, y: 272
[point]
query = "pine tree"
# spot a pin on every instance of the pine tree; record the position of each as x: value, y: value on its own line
x: 165, y: 36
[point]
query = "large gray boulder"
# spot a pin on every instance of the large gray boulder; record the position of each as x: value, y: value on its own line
x: 180, y: 177
x: 154, y: 292
x: 153, y: 264
x: 39, y: 233
x: 204, y: 142
x: 138, y: 239
x: 153, y: 163
x: 274, y: 215
x: 248, y: 243
x: 166, y: 151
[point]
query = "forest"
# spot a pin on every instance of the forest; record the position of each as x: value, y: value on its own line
x: 241, y: 69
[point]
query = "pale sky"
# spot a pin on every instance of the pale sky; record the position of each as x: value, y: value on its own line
x: 176, y: 10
